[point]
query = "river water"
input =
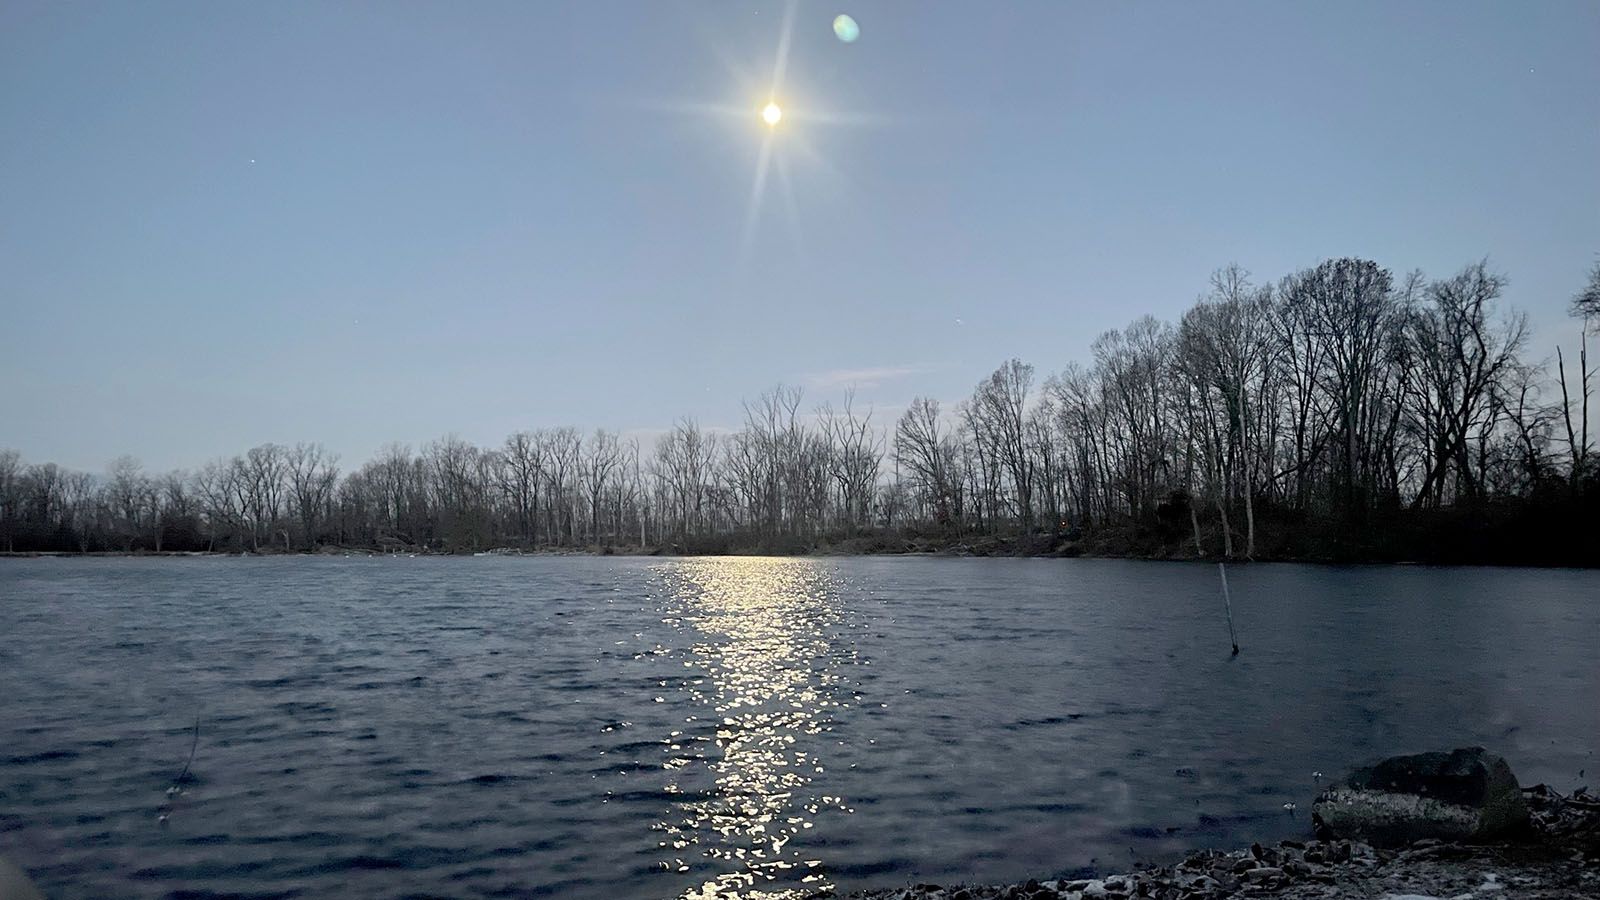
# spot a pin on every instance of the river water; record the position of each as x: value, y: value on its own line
x: 662, y: 728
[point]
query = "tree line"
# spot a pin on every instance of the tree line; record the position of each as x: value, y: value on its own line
x: 1338, y: 412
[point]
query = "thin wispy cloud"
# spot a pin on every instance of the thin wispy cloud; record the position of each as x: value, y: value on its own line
x: 869, y: 377
x: 648, y: 435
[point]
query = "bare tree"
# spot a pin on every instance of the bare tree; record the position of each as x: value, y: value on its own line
x: 1459, y: 359
x: 1350, y: 312
x: 313, y: 474
x: 855, y: 459
x: 461, y: 482
x: 997, y: 415
x: 522, y: 473
x: 1586, y: 303
x: 10, y: 497
x: 563, y: 450
x: 259, y: 487
x: 1225, y: 348
x: 1577, y: 436
x: 685, y: 461
x: 80, y: 509
x: 599, y: 467
x: 922, y: 447
x: 125, y: 494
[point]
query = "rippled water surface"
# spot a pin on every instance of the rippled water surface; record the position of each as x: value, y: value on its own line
x: 640, y: 728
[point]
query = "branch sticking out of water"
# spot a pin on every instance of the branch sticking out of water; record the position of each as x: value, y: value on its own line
x: 196, y: 743
x: 176, y: 790
x: 1227, y: 604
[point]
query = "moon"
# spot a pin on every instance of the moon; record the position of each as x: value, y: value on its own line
x: 772, y: 114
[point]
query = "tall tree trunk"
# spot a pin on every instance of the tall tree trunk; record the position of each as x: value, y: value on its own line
x: 1227, y: 532
x: 1250, y: 521
x: 1194, y: 522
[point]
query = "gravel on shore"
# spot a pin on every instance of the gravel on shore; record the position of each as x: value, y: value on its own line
x: 1557, y: 860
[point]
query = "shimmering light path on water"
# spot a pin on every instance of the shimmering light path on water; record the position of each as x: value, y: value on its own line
x: 766, y: 647
x: 647, y: 728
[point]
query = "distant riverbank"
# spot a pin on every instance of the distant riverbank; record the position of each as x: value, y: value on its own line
x: 1100, y: 546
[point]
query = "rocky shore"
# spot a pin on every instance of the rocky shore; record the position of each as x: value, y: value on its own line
x: 1556, y: 856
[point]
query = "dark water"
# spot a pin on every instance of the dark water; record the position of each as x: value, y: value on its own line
x: 598, y: 728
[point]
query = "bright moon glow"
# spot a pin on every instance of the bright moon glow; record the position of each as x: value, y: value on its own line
x: 771, y: 114
x: 846, y: 29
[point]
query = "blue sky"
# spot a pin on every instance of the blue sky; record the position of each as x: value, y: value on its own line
x: 227, y: 223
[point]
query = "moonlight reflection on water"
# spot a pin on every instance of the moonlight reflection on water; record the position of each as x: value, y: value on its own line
x: 512, y: 726
x: 766, y: 658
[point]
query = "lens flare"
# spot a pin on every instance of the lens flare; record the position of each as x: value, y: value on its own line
x: 846, y: 29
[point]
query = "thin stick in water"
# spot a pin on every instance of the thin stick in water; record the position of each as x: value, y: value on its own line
x: 176, y: 790
x: 192, y: 747
x: 1227, y: 604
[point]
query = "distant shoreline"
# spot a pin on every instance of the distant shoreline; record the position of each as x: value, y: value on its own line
x: 820, y: 552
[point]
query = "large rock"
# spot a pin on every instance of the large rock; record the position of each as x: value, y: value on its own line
x: 1464, y: 795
